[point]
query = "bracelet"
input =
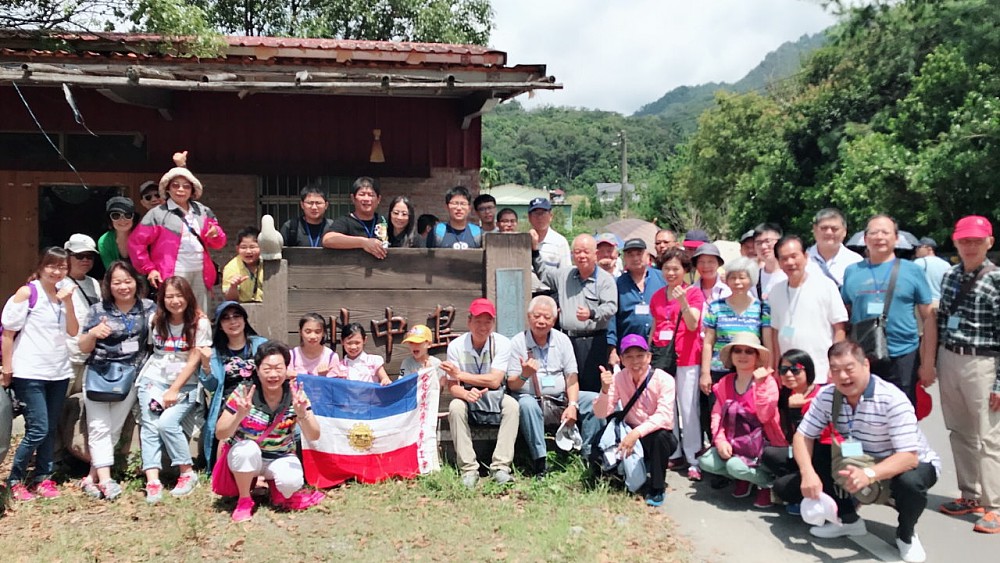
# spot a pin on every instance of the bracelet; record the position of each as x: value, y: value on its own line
x: 522, y: 378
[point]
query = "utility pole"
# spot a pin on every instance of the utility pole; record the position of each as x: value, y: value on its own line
x: 624, y: 166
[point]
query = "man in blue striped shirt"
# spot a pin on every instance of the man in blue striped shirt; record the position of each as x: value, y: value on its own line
x: 877, y: 416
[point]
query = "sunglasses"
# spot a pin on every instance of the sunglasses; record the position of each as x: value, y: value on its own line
x: 84, y: 256
x: 231, y: 316
x: 794, y: 370
x: 150, y: 196
x: 743, y: 350
x: 119, y: 215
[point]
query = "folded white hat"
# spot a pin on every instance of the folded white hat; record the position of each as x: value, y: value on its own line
x: 568, y: 437
x: 820, y: 510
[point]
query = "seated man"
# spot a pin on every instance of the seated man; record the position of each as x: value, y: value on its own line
x: 457, y: 232
x: 476, y: 370
x: 542, y: 360
x: 308, y: 229
x: 876, y: 419
x: 364, y: 228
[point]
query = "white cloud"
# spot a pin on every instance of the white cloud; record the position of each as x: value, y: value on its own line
x: 620, y: 54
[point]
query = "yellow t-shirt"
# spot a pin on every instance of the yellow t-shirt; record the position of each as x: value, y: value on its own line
x: 252, y: 289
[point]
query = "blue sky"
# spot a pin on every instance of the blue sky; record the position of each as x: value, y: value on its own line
x: 620, y: 54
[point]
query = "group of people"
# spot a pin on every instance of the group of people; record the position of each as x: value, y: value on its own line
x: 765, y: 371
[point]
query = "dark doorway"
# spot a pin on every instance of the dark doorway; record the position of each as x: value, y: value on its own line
x: 64, y: 210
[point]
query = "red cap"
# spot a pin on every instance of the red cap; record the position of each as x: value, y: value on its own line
x: 972, y: 226
x: 482, y: 306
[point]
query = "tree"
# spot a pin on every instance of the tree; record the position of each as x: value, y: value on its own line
x: 489, y: 172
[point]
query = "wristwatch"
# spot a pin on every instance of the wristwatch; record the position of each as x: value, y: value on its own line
x: 574, y: 404
x: 870, y: 473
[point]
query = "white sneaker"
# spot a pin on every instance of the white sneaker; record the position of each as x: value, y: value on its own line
x: 835, y: 530
x: 912, y: 552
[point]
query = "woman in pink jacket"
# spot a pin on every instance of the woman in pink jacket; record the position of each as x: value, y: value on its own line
x: 174, y: 238
x: 745, y: 418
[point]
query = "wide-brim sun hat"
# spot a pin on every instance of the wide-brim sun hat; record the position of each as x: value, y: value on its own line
x: 745, y: 339
x: 180, y: 172
x: 707, y: 249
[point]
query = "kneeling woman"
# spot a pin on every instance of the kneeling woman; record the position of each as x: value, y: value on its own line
x: 651, y: 416
x: 257, y: 429
x: 745, y: 418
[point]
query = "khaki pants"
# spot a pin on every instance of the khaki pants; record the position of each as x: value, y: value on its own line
x: 503, y: 453
x: 966, y: 383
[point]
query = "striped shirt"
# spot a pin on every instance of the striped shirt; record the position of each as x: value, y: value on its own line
x: 884, y: 421
x: 280, y: 442
x: 727, y: 323
x: 978, y: 312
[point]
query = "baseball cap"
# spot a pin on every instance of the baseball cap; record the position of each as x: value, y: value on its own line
x: 747, y: 236
x: 972, y: 226
x: 539, y: 203
x: 148, y: 186
x: 819, y: 511
x: 634, y: 243
x: 119, y: 203
x: 568, y: 437
x: 695, y: 238
x: 482, y: 306
x: 418, y: 334
x: 927, y: 241
x: 80, y: 243
x: 633, y: 340
x: 607, y: 238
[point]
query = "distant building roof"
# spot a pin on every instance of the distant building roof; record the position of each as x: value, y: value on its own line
x: 515, y: 194
x: 612, y: 188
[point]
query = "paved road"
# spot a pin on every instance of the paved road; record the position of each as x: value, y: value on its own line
x: 722, y: 528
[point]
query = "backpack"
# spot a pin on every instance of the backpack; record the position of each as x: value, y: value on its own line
x: 32, y: 301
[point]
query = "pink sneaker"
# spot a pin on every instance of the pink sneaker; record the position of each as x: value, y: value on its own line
x: 763, y: 498
x: 47, y: 489
x: 741, y: 489
x: 244, y: 509
x: 303, y: 499
x: 21, y: 493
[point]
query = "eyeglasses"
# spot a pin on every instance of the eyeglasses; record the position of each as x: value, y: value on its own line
x: 766, y: 241
x: 151, y: 196
x: 454, y: 203
x: 119, y: 215
x: 186, y: 186
x: 57, y: 268
x: 743, y: 350
x: 485, y: 208
x: 794, y: 370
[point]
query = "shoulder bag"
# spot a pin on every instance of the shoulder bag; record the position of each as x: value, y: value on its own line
x: 552, y: 407
x: 666, y: 358
x: 223, y: 482
x: 871, y: 333
x: 487, y: 411
x: 218, y: 270
x: 605, y: 456
x: 109, y: 381
x: 875, y: 493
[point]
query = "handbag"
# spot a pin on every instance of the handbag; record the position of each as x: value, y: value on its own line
x: 111, y: 381
x: 606, y: 456
x: 487, y: 411
x: 223, y: 481
x: 218, y: 270
x: 874, y: 493
x: 666, y: 358
x: 744, y: 432
x: 871, y: 333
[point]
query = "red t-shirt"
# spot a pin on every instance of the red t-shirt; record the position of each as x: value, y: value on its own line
x: 664, y: 312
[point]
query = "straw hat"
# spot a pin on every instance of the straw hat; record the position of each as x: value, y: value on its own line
x: 745, y: 339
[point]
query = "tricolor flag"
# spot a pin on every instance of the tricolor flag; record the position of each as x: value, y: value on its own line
x: 369, y: 432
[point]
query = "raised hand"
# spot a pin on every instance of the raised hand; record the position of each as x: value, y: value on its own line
x: 102, y: 330
x: 212, y: 232
x: 300, y: 402
x: 529, y: 367
x: 762, y: 373
x: 155, y: 279
x: 238, y: 279
x: 244, y: 399
x: 535, y: 239
x: 606, y: 378
x: 180, y: 159
x: 679, y: 293
x: 66, y: 293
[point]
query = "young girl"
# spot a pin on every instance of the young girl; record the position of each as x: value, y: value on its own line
x: 313, y: 356
x: 358, y: 365
x: 243, y: 276
x: 167, y: 392
x: 37, y: 366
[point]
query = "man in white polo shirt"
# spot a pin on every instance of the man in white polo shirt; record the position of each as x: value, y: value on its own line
x: 876, y: 419
x: 829, y: 252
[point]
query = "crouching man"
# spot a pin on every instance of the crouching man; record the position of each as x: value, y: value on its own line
x: 875, y: 419
x: 543, y: 364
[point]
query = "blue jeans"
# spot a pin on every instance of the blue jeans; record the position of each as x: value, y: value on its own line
x: 43, y: 407
x: 164, y: 429
x: 533, y: 425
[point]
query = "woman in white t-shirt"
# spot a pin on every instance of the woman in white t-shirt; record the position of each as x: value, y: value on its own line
x: 167, y: 392
x: 36, y: 364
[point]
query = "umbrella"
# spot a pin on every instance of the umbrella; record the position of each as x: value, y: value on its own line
x: 904, y: 241
x: 634, y: 228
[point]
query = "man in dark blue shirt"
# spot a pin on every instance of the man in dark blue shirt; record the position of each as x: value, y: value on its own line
x: 636, y: 287
x: 457, y: 232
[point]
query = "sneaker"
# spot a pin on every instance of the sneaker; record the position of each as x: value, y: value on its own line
x: 678, y: 463
x: 303, y: 499
x: 742, y: 489
x: 154, y: 492
x: 762, y: 499
x: 19, y: 492
x: 694, y: 474
x: 186, y: 484
x: 655, y: 499
x: 90, y: 488
x: 244, y: 509
x: 961, y: 507
x: 912, y: 552
x: 47, y: 489
x: 502, y: 477
x: 795, y: 509
x: 989, y: 523
x: 470, y: 479
x: 111, y: 489
x: 836, y: 530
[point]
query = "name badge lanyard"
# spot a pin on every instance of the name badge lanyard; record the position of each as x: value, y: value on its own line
x: 254, y: 275
x: 313, y: 242
x: 792, y: 303
x: 370, y: 231
x: 58, y: 310
x: 543, y: 353
x: 880, y: 285
x: 478, y: 359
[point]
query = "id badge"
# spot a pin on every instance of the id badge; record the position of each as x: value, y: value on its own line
x: 548, y: 381
x: 875, y: 308
x: 666, y: 335
x: 851, y: 448
x: 953, y: 321
x: 642, y: 309
x: 130, y: 347
x: 790, y: 454
x: 787, y: 332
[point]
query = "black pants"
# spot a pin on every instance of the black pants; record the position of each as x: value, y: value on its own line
x: 705, y: 403
x: 657, y: 447
x: 901, y: 371
x: 787, y: 479
x: 590, y: 352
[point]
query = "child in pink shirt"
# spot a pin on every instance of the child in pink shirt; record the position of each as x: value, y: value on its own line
x: 312, y: 356
x: 358, y: 365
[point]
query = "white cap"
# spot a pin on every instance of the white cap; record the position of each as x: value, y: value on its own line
x: 568, y: 437
x: 819, y: 511
x: 80, y: 243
